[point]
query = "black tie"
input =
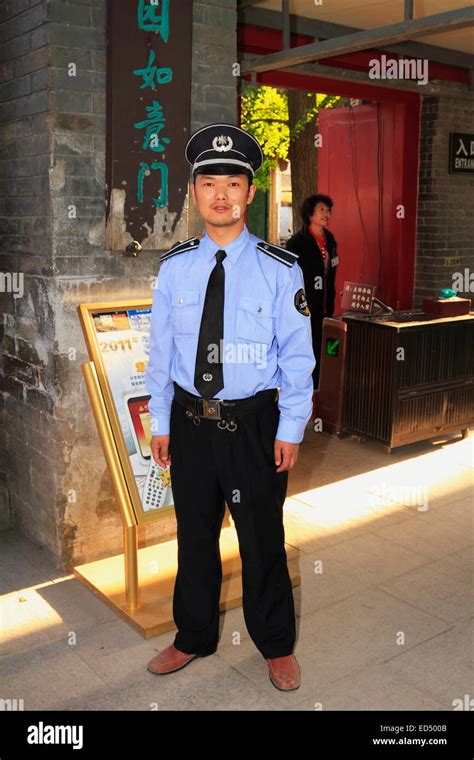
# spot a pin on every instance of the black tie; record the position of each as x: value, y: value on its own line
x: 208, y: 375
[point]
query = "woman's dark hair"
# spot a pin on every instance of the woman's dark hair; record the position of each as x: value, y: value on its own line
x: 307, y: 209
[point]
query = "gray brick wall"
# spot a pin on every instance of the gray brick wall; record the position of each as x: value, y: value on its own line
x: 28, y: 444
x: 54, y: 482
x: 445, y: 220
x: 214, y: 87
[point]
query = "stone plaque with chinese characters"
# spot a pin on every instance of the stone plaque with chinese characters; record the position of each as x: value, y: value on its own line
x: 149, y: 47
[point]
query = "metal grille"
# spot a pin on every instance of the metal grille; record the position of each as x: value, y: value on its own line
x: 370, y: 379
x: 405, y: 384
x: 436, y: 354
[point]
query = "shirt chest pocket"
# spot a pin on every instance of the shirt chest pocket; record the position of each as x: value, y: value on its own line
x: 185, y: 312
x: 255, y: 319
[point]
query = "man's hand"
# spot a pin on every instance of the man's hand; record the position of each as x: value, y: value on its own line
x: 286, y: 454
x: 160, y: 449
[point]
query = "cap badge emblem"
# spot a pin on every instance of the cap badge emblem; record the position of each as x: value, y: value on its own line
x: 222, y: 144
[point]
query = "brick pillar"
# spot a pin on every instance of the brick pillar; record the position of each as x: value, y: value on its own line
x: 53, y: 477
x: 445, y: 219
x: 214, y: 86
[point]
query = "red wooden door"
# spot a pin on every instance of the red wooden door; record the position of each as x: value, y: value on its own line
x: 368, y: 164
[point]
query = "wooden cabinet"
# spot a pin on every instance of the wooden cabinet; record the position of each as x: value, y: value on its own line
x: 408, y: 381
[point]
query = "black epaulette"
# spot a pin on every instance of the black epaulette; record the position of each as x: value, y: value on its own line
x: 281, y: 254
x: 180, y: 247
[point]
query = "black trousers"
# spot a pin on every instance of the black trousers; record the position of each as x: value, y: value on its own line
x: 209, y: 467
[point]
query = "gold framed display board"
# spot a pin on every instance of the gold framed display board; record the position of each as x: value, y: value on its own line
x: 117, y: 336
x: 139, y: 583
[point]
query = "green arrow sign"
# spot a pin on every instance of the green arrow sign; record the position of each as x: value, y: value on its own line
x: 332, y: 347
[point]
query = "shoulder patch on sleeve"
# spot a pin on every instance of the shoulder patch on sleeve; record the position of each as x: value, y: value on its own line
x: 276, y: 252
x: 301, y: 304
x: 180, y: 247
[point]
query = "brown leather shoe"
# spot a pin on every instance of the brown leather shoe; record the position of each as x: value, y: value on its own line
x: 169, y: 660
x: 284, y: 672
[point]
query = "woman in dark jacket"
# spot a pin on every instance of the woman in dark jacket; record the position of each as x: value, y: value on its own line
x: 317, y: 251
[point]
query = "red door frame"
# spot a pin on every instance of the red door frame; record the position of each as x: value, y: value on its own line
x: 257, y: 40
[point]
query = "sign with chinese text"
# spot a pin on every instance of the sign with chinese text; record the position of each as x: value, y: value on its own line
x: 461, y: 153
x: 149, y: 50
x: 118, y: 340
x: 357, y: 297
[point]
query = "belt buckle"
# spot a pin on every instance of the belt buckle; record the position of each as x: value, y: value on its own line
x: 211, y: 409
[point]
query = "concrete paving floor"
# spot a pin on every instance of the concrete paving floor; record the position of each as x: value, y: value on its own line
x: 384, y: 609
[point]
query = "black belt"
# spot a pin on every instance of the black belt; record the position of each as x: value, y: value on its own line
x: 222, y: 409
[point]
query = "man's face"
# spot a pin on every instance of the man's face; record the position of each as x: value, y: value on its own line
x: 222, y: 199
x: 321, y: 214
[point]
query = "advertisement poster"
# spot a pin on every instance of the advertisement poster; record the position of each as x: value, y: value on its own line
x: 123, y: 337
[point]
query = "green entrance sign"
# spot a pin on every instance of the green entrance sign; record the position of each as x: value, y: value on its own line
x: 332, y: 347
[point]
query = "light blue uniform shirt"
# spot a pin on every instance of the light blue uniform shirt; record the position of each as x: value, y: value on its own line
x: 267, y: 336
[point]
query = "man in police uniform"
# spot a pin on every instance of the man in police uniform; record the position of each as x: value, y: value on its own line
x: 230, y: 379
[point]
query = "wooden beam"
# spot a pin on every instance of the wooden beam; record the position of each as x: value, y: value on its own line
x: 347, y: 75
x: 243, y: 4
x: 285, y: 11
x: 322, y: 29
x: 351, y: 43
